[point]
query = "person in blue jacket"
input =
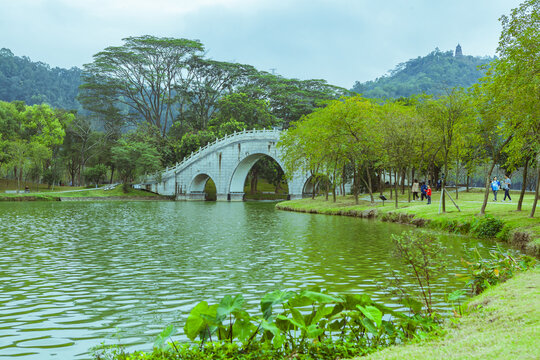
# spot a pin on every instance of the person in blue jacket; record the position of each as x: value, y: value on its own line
x: 423, y: 189
x: 495, y: 186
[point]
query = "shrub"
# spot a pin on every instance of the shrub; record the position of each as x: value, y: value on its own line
x: 423, y: 256
x: 487, y: 227
x: 504, y: 234
x: 309, y: 324
x: 483, y: 273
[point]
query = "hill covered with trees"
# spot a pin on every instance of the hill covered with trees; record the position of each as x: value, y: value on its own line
x: 35, y: 82
x: 432, y: 74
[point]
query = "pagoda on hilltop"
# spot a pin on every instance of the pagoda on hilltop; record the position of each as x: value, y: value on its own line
x: 458, y: 51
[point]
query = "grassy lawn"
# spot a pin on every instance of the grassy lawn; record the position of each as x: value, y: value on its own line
x: 10, y: 185
x: 501, y: 323
x: 43, y: 193
x: 469, y: 203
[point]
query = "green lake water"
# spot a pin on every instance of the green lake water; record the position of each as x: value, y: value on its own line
x: 76, y: 274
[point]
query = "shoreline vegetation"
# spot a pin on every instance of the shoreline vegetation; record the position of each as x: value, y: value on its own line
x: 501, y: 222
x: 66, y: 193
x: 500, y: 323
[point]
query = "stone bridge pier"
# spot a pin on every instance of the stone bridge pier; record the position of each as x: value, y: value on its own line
x: 227, y: 162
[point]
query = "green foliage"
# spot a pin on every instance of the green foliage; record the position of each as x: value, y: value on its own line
x: 51, y: 176
x: 96, y: 174
x: 133, y: 158
x: 310, y: 324
x: 487, y: 227
x: 500, y: 266
x: 432, y: 74
x: 35, y: 83
x: 423, y: 254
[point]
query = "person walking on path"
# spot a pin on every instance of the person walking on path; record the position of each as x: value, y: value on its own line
x: 506, y: 186
x: 428, y: 194
x: 423, y: 189
x: 415, y: 188
x: 495, y: 186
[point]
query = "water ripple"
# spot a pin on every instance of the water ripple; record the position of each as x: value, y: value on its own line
x: 74, y: 275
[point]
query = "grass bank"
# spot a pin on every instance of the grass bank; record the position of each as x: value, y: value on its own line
x: 70, y: 193
x: 518, y: 229
x: 501, y: 323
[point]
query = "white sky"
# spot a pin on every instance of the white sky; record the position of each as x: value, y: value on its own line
x: 341, y: 41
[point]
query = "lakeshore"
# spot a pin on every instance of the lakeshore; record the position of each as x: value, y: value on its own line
x: 519, y: 230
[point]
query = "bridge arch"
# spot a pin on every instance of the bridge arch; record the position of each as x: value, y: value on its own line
x: 241, y: 171
x: 196, y: 188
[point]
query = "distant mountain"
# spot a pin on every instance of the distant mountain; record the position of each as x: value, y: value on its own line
x: 432, y: 74
x: 37, y: 82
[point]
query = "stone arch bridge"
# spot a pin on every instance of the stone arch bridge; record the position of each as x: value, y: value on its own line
x: 227, y: 162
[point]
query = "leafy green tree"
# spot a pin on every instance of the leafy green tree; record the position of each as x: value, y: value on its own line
x: 290, y: 99
x: 132, y: 159
x: 145, y: 75
x: 96, y: 173
x: 399, y: 127
x: 238, y: 111
x: 515, y: 80
x: 38, y: 154
x: 210, y: 81
x: 447, y: 116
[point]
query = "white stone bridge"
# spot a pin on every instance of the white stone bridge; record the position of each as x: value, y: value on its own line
x: 227, y: 162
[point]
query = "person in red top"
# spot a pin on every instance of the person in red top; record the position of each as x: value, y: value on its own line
x: 428, y: 194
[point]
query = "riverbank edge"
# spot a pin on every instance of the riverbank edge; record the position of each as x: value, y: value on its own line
x: 517, y: 238
x: 85, y: 198
x: 501, y: 323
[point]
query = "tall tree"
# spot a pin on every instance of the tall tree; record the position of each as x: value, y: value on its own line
x: 143, y: 76
x: 447, y: 116
x: 516, y: 77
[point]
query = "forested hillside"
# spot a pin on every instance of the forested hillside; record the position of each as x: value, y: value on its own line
x: 37, y: 83
x: 432, y: 74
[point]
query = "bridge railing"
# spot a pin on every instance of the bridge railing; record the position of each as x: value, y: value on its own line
x: 229, y: 138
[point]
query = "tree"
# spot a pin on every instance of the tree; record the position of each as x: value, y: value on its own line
x: 133, y: 158
x: 239, y: 109
x: 399, y: 127
x: 144, y: 76
x: 516, y: 79
x: 447, y: 116
x: 290, y: 99
x: 96, y: 173
x: 210, y: 81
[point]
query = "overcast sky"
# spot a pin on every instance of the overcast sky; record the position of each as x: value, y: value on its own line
x: 341, y: 41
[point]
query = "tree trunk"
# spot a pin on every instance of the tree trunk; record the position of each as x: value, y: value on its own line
x: 381, y: 185
x: 486, y: 193
x: 468, y: 180
x: 457, y: 177
x: 369, y: 185
x: 356, y: 184
x: 403, y: 175
x: 390, y: 184
x: 396, y: 186
x: 334, y: 187
x: 327, y: 189
x: 443, y: 182
x: 522, y: 194
x: 410, y: 182
x: 535, y: 202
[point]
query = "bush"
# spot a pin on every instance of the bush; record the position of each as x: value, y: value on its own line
x: 504, y: 234
x: 483, y: 273
x: 309, y: 324
x: 487, y: 227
